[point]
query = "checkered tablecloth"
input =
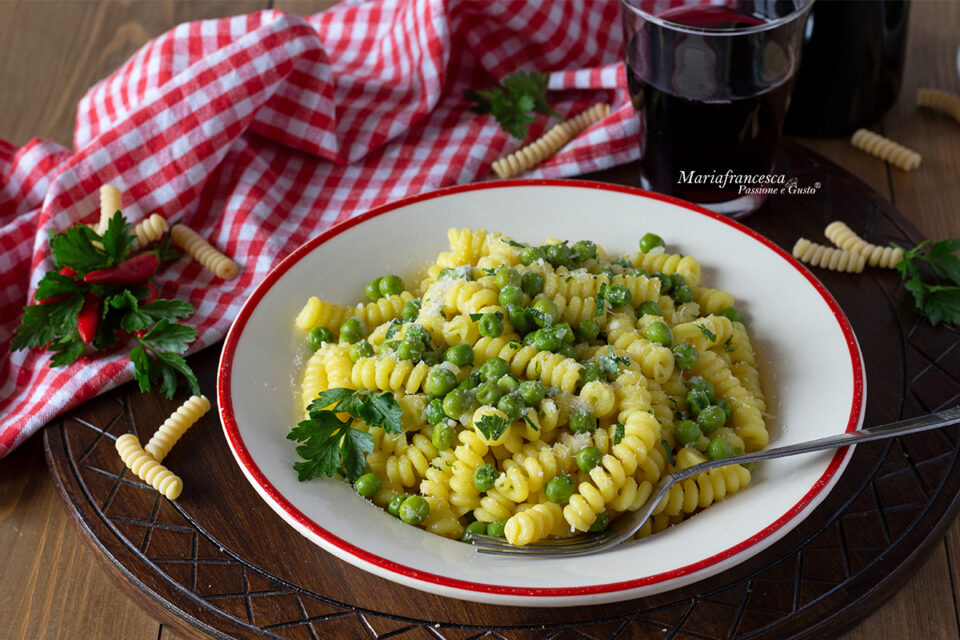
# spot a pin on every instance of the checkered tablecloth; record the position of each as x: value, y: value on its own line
x: 259, y: 131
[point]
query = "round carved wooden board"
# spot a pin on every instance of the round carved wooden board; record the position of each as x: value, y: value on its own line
x: 219, y: 562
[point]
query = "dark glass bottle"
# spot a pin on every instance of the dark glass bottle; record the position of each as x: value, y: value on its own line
x: 852, y: 66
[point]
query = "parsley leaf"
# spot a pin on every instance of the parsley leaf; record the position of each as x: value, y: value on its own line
x: 511, y: 103
x: 74, y: 248
x: 938, y: 297
x: 711, y: 336
x: 618, y: 433
x: 666, y: 447
x: 491, y: 426
x: 393, y: 328
x: 601, y: 295
x: 53, y: 284
x: 117, y: 239
x: 167, y: 336
x: 66, y: 349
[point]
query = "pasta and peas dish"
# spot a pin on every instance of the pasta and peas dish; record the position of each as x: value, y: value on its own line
x: 531, y: 391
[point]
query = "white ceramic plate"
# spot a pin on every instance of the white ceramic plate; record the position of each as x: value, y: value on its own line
x: 809, y: 358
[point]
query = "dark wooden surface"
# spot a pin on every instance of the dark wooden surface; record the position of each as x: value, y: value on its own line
x: 51, y: 51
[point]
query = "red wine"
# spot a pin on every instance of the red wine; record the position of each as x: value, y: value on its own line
x: 712, y: 107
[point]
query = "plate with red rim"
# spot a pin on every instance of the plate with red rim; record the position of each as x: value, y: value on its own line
x: 808, y: 357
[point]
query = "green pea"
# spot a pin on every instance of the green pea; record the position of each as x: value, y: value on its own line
x: 727, y: 409
x: 518, y: 317
x: 531, y: 392
x: 510, y: 295
x: 455, y: 403
x: 317, y: 336
x: 472, y: 381
x: 362, y: 349
x: 651, y: 241
x: 433, y: 358
x: 588, y: 458
x: 682, y: 294
x: 389, y: 347
x: 638, y: 272
x: 686, y: 432
x: 532, y: 283
x: 391, y: 285
x: 411, y: 309
x: 622, y: 262
x: 711, y: 418
x: 587, y: 330
x: 660, y: 333
x: 608, y: 364
x: 460, y: 355
x: 581, y: 421
x: 700, y: 384
x: 439, y: 382
x: 558, y: 254
x: 414, y: 510
x: 491, y: 325
x: 666, y: 282
x: 560, y: 488
x: 585, y: 250
x: 435, y: 415
x: 367, y: 485
x: 411, y: 350
x: 529, y: 255
x: 373, y: 290
x: 546, y: 339
x: 697, y: 401
x: 511, y: 405
x: 601, y: 523
x: 650, y: 308
x: 684, y: 356
x: 488, y: 393
x: 484, y: 477
x: 565, y: 333
x: 750, y: 466
x: 732, y: 314
x: 547, y: 313
x: 508, y: 384
x: 567, y: 351
x: 352, y: 330
x: 505, y: 275
x: 719, y: 448
x: 394, y: 507
x: 618, y: 295
x: 476, y: 528
x: 589, y: 373
x: 494, y: 369
x: 418, y: 332
x: 496, y: 529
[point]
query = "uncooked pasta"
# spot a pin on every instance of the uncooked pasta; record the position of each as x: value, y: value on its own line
x: 886, y: 149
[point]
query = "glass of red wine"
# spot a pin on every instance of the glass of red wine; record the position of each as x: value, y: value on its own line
x: 711, y: 83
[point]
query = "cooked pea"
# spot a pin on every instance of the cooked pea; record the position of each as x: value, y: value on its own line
x: 439, y: 382
x: 508, y: 384
x: 697, y: 401
x: 666, y: 282
x: 361, y: 349
x: 587, y: 330
x: 391, y: 285
x: 510, y: 295
x: 433, y: 358
x: 684, y: 356
x: 460, y: 355
x: 682, y: 294
x: 518, y: 317
x: 546, y: 339
x: 491, y: 325
x: 394, y: 507
x: 496, y: 528
x: 505, y: 275
x: 560, y: 488
x: 484, y: 476
x: 609, y: 271
x: 411, y: 350
x: 638, y: 272
x: 686, y: 432
x: 585, y: 250
x: 488, y: 393
x: 373, y: 290
x: 650, y: 308
x: 589, y: 373
x: 608, y: 364
x: 651, y: 241
x: 532, y: 283
x: 547, y: 312
x: 317, y: 336
x: 352, y: 330
x: 455, y: 403
x: 732, y: 314
x: 700, y: 384
x: 418, y: 332
x: 529, y: 255
x: 711, y: 418
x: 719, y: 448
x: 727, y: 409
x: 749, y: 466
x: 367, y: 485
x: 567, y: 351
x: 494, y: 368
x: 581, y: 421
x: 411, y: 309
x: 472, y: 381
x: 558, y: 254
x: 565, y: 333
x: 601, y: 523
x: 618, y: 295
x: 414, y: 510
x: 435, y: 415
x: 622, y: 261
x: 588, y: 458
x: 389, y: 347
x: 660, y: 333
x: 531, y: 392
x: 511, y: 405
x: 476, y: 528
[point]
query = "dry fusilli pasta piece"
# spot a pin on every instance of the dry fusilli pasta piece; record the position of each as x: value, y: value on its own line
x: 203, y: 252
x: 827, y: 257
x: 150, y: 230
x: 148, y: 469
x: 844, y: 237
x: 942, y: 101
x: 886, y: 149
x: 176, y: 425
x: 110, y: 203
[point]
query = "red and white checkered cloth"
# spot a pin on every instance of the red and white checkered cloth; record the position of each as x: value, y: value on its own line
x: 260, y: 131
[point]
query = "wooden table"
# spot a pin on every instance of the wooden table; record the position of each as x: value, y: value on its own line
x: 50, y: 52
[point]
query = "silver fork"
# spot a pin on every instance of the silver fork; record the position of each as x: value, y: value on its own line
x: 628, y: 523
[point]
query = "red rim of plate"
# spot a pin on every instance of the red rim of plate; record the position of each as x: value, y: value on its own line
x: 243, y: 455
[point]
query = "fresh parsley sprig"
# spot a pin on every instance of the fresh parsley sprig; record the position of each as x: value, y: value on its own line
x: 331, y: 445
x: 492, y: 426
x: 511, y: 103
x: 937, y: 297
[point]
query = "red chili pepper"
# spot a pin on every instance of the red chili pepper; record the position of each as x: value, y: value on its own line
x: 67, y: 271
x: 153, y: 295
x: 132, y: 271
x: 62, y: 296
x: 88, y: 319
